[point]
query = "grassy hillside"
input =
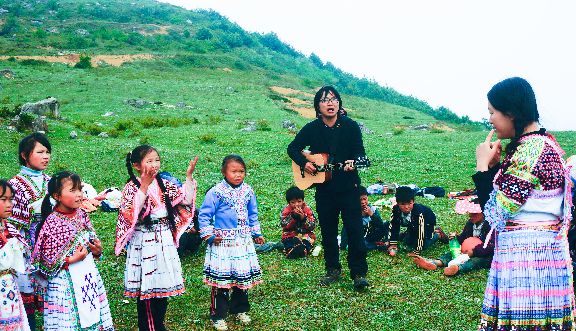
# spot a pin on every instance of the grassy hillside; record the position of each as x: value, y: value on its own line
x: 197, y: 105
x: 202, y: 39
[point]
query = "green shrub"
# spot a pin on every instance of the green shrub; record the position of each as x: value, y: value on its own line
x: 145, y: 140
x: 207, y: 138
x: 263, y: 125
x: 32, y: 62
x: 84, y: 63
x: 214, y: 119
x: 398, y: 130
x: 124, y: 125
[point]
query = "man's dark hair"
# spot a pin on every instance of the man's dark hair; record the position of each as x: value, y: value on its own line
x: 294, y: 193
x: 404, y: 194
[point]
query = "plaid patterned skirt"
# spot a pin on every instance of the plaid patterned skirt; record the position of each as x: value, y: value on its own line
x: 530, y: 283
x: 232, y: 263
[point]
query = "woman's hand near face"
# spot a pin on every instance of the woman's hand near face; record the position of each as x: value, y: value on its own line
x: 488, y: 153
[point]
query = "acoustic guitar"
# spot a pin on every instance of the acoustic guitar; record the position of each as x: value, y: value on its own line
x: 304, y: 180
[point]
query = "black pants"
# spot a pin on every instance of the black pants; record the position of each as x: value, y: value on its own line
x: 295, y: 247
x: 221, y: 304
x: 151, y: 314
x: 329, y: 207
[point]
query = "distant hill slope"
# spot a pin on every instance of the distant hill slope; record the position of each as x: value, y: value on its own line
x: 195, y: 38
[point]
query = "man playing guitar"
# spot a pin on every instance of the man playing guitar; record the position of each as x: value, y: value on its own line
x: 340, y: 137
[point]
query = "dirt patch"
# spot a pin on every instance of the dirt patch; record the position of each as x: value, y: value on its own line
x: 442, y: 127
x: 155, y: 29
x: 118, y: 60
x: 226, y: 69
x: 289, y: 91
x: 71, y: 59
x: 304, y: 112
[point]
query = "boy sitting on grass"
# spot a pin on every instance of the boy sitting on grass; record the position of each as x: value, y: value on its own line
x: 298, y: 223
x: 479, y: 257
x: 419, y: 221
x: 375, y: 230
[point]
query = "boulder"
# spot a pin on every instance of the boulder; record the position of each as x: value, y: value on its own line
x: 137, y: 103
x: 73, y: 135
x: 47, y: 107
x: 364, y: 128
x: 250, y: 127
x: 421, y: 127
x: 8, y: 73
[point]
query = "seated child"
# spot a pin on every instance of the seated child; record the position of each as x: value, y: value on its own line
x: 419, y: 221
x: 298, y: 222
x: 480, y: 257
x: 190, y: 241
x: 375, y: 230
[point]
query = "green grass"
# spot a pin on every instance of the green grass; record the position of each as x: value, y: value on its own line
x: 402, y: 297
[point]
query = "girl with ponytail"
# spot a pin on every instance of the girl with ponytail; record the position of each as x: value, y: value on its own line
x: 154, y: 213
x: 65, y: 249
x: 526, y: 199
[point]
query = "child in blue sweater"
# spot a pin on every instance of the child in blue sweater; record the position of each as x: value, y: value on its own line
x: 229, y: 223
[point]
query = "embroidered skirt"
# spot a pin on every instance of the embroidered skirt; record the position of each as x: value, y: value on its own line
x: 60, y: 310
x: 153, y: 267
x: 232, y: 263
x: 12, y: 313
x: 530, y: 283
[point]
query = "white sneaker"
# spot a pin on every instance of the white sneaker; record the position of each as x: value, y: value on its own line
x: 244, y: 318
x: 220, y: 325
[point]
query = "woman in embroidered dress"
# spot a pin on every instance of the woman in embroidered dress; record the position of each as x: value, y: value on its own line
x: 526, y: 200
x: 65, y: 250
x: 228, y: 222
x: 154, y: 212
x: 12, y: 250
x: 30, y: 186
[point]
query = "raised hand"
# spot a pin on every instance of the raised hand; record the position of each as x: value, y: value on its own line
x: 147, y: 176
x: 488, y: 152
x: 191, y: 167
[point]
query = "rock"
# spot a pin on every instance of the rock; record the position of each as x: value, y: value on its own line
x: 250, y: 127
x: 3, y: 11
x: 109, y: 113
x: 103, y: 135
x: 36, y: 22
x: 421, y: 127
x: 181, y: 105
x: 288, y: 124
x: 137, y: 103
x: 189, y: 21
x: 53, y: 30
x: 46, y: 107
x: 364, y: 128
x: 8, y: 73
x: 82, y: 32
x: 39, y: 124
x: 73, y: 135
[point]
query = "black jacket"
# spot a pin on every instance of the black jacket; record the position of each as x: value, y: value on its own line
x: 421, y: 226
x: 343, y: 142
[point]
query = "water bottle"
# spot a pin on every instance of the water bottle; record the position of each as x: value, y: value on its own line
x: 454, y: 247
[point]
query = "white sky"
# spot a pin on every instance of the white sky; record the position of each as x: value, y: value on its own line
x: 446, y: 52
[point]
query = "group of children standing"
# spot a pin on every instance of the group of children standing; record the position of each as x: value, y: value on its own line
x: 48, y: 246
